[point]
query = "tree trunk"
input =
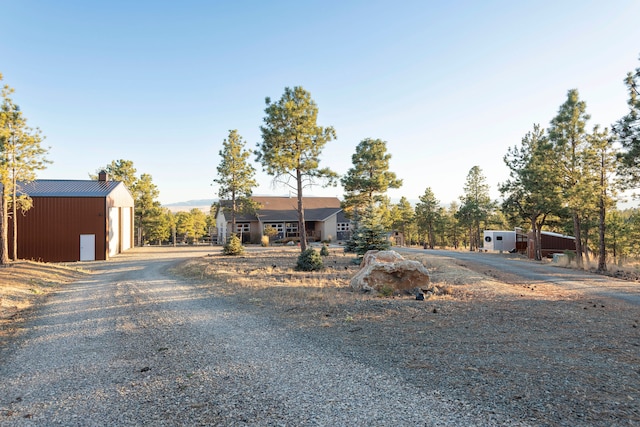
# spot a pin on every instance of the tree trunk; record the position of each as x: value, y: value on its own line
x: 602, y: 249
x: 233, y: 215
x: 14, y: 220
x: 4, y: 229
x: 301, y: 226
x: 537, y: 249
x: 577, y: 231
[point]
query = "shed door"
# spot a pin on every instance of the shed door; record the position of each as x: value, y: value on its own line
x: 87, y: 247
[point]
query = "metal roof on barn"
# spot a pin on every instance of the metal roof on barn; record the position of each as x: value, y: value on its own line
x: 68, y: 188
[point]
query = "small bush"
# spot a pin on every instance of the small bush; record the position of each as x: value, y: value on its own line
x: 233, y: 246
x: 264, y: 242
x: 324, y: 251
x: 309, y: 260
x: 386, y: 290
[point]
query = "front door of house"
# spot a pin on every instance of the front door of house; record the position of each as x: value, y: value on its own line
x: 87, y: 247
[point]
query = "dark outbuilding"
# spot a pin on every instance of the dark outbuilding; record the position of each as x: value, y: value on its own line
x: 75, y: 220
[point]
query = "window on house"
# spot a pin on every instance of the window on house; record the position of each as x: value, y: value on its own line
x: 342, y: 226
x: 278, y: 227
x: 292, y: 228
x: 242, y: 227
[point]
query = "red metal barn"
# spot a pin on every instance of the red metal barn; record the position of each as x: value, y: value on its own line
x: 552, y: 243
x: 75, y: 220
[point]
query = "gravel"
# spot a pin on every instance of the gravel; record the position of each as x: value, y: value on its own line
x: 133, y: 345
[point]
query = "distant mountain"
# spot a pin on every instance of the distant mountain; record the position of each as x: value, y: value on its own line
x: 203, y: 204
x: 195, y: 203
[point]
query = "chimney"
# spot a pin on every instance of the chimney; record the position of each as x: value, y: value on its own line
x: 103, y: 176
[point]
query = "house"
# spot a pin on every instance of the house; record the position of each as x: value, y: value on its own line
x: 75, y: 220
x: 324, y: 219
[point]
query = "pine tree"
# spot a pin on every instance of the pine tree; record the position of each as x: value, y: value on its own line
x: 428, y: 216
x: 604, y: 164
x: 476, y: 205
x: 403, y: 219
x: 367, y: 181
x: 146, y: 204
x: 371, y: 234
x: 532, y: 192
x: 627, y: 130
x: 291, y: 146
x: 236, y: 176
x: 568, y: 138
x: 21, y: 155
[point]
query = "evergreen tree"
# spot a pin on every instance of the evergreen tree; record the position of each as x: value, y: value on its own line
x: 476, y: 205
x: 568, y: 138
x: 403, y: 219
x: 371, y: 234
x: 627, y: 130
x: 236, y: 176
x: 532, y: 193
x: 158, y: 225
x: 291, y: 146
x: 428, y: 216
x: 368, y: 180
x: 146, y: 204
x: 199, y: 221
x: 122, y: 171
x: 184, y: 226
x: 604, y: 163
x: 21, y: 155
x: 453, y: 231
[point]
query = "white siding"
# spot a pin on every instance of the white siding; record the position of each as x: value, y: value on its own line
x: 114, y: 231
x: 125, y: 229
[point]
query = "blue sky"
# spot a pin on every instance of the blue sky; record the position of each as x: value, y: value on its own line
x: 448, y: 85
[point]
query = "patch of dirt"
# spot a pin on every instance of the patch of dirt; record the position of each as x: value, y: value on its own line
x: 538, y: 352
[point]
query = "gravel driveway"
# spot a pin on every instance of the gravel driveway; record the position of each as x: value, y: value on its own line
x: 133, y: 345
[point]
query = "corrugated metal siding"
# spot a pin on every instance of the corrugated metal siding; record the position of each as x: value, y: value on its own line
x: 51, y: 230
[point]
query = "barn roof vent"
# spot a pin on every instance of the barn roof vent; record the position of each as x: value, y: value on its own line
x: 103, y: 176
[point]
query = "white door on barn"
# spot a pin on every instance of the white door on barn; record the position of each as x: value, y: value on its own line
x: 87, y: 247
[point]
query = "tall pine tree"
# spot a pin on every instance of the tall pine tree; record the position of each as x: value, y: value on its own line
x: 568, y: 138
x: 368, y: 180
x: 532, y: 192
x: 627, y: 130
x: 291, y: 146
x: 235, y: 176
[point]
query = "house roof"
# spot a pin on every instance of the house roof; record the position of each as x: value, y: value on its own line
x: 274, y: 208
x: 68, y: 188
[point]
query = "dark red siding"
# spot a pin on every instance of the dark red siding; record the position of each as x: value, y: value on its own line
x: 552, y: 245
x: 50, y: 231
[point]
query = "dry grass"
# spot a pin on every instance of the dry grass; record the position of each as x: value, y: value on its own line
x: 539, y: 352
x: 23, y: 283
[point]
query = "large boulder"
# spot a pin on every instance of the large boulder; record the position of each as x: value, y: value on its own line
x: 381, y: 270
